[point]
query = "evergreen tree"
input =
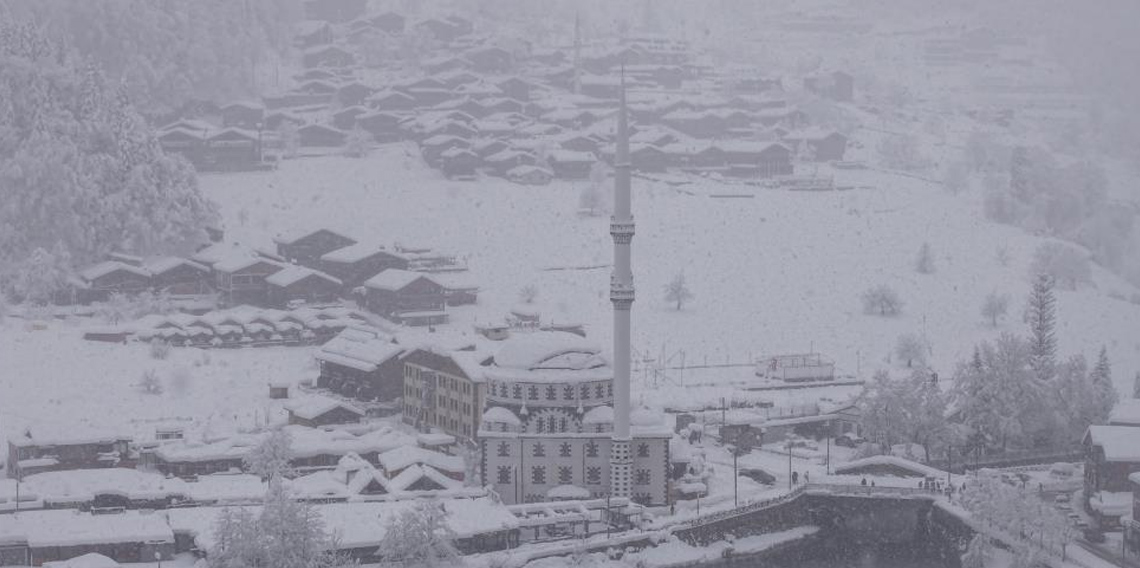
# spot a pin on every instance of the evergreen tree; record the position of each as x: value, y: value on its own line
x: 1104, y: 394
x: 421, y: 537
x: 1041, y: 317
x: 270, y: 459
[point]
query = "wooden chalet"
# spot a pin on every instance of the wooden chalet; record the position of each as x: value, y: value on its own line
x: 312, y: 33
x: 362, y: 363
x: 353, y: 93
x: 337, y: 11
x: 179, y: 276
x: 243, y: 114
x: 649, y: 158
x: 389, y: 101
x: 354, y: 264
x: 837, y: 86
x: 406, y: 297
x: 301, y: 284
x: 442, y: 30
x: 490, y: 59
x: 434, y: 147
x: 390, y: 22
x: 757, y: 159
x: 567, y: 164
x: 97, y: 283
x: 306, y: 247
x: 316, y: 411
x: 698, y: 124
x: 488, y: 147
x: 503, y: 162
x: 817, y: 144
x: 459, y: 163
x: 529, y: 175
x: 321, y: 136
x: 36, y: 451
x: 232, y: 149
x: 327, y: 56
x: 517, y: 88
x: 383, y: 126
x: 242, y: 279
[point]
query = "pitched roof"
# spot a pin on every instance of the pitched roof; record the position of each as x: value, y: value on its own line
x: 357, y: 252
x: 405, y: 456
x: 1120, y: 443
x: 107, y: 267
x: 293, y: 274
x: 167, y: 263
x: 317, y: 405
x: 394, y: 279
x: 291, y: 237
x: 359, y: 347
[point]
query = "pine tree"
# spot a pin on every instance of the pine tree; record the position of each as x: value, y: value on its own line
x: 1104, y: 395
x: 1041, y: 317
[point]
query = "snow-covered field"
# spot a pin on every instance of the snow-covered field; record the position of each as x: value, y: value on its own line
x: 780, y: 272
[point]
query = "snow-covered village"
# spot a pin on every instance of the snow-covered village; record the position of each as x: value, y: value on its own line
x: 546, y: 283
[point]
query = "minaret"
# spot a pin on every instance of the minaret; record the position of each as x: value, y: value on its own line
x: 577, y: 85
x: 621, y: 295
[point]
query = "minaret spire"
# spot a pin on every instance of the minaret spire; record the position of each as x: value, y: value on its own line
x: 622, y: 296
x: 577, y: 86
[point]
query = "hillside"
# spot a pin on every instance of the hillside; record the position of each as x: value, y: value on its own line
x: 781, y: 272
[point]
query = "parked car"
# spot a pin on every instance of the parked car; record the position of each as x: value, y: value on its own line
x: 1062, y: 498
x: 1093, y: 535
x: 849, y: 440
x: 758, y: 475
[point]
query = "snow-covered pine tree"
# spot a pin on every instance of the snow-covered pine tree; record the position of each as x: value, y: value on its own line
x: 1104, y: 394
x: 924, y: 262
x: 421, y: 537
x: 1041, y: 316
x: 677, y: 292
x: 270, y: 459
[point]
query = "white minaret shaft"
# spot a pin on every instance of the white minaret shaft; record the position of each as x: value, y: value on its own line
x: 621, y: 295
x: 577, y: 81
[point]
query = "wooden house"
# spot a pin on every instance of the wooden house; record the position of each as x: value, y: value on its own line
x: 243, y: 114
x: 321, y: 136
x: 434, y: 147
x: 488, y: 147
x: 345, y: 118
x: 275, y: 121
x: 698, y: 124
x: 1112, y: 455
x: 649, y: 158
x: 356, y: 263
x: 551, y: 57
x: 517, y: 88
x: 817, y: 144
x: 316, y: 411
x: 300, y: 284
x: 362, y: 363
x: 390, y: 22
x: 407, y: 297
x: 502, y: 162
x: 440, y: 30
x: 757, y: 159
x: 179, y: 276
x: 189, y: 143
x: 459, y: 163
x: 490, y: 59
x: 383, y: 126
x: 232, y: 149
x: 529, y: 175
x: 312, y: 33
x: 97, y: 283
x: 327, y: 56
x: 392, y: 101
x: 242, y: 280
x: 306, y: 247
x: 337, y: 11
x: 36, y: 451
x: 837, y: 86
x: 353, y: 93
x: 568, y: 164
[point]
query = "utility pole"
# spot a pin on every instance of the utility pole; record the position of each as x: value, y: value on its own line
x: 735, y: 479
x: 829, y: 455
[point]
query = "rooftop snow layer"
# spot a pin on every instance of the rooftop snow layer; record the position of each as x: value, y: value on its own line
x: 293, y: 274
x: 361, y: 348
x: 316, y: 405
x: 1126, y: 413
x: 405, y: 456
x: 394, y: 279
x: 1120, y: 443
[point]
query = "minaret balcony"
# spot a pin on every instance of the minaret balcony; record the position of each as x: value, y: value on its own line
x: 621, y: 295
x: 622, y: 231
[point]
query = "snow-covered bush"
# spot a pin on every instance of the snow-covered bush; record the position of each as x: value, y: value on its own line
x: 1067, y: 265
x: 159, y: 349
x: 881, y: 300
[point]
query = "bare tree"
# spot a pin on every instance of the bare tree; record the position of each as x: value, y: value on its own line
x: 528, y: 294
x: 421, y: 537
x: 270, y: 459
x: 995, y: 307
x: 677, y: 292
x: 881, y: 300
x: 924, y: 263
x: 911, y: 348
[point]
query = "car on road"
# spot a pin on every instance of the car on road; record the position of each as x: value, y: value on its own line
x: 1062, y: 498
x: 758, y: 475
x: 1095, y: 536
x: 849, y: 440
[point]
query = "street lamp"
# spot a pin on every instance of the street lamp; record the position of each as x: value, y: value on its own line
x: 158, y: 557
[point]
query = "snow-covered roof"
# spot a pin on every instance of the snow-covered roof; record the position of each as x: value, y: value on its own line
x: 1120, y: 443
x: 549, y: 350
x: 107, y: 267
x: 85, y: 484
x: 526, y: 170
x: 316, y: 405
x: 167, y: 263
x: 306, y: 442
x: 64, y: 433
x: 394, y: 279
x: 1111, y: 503
x: 599, y: 415
x: 893, y: 461
x: 562, y: 155
x: 500, y: 415
x: 241, y: 261
x: 1126, y: 413
x: 63, y: 527
x: 292, y: 236
x: 406, y: 456
x: 293, y: 274
x: 356, y: 253
x: 567, y: 492
x: 89, y: 560
x: 410, y: 475
x: 359, y: 347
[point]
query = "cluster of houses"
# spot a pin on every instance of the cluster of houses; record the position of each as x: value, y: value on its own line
x: 313, y: 269
x: 242, y: 326
x: 479, y: 103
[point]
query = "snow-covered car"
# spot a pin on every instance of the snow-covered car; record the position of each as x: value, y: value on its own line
x: 1062, y: 498
x: 849, y: 440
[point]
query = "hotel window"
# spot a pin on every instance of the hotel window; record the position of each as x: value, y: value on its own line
x: 591, y: 449
x: 594, y: 474
x: 568, y: 393
x: 532, y: 392
x: 585, y: 391
x: 643, y: 450
x: 551, y: 392
x: 504, y: 474
x: 565, y: 475
x: 539, y: 450
x: 641, y: 477
x: 538, y: 475
x: 565, y: 449
x: 504, y: 450
x: 517, y: 391
x: 550, y: 423
x: 610, y: 389
x: 600, y: 390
